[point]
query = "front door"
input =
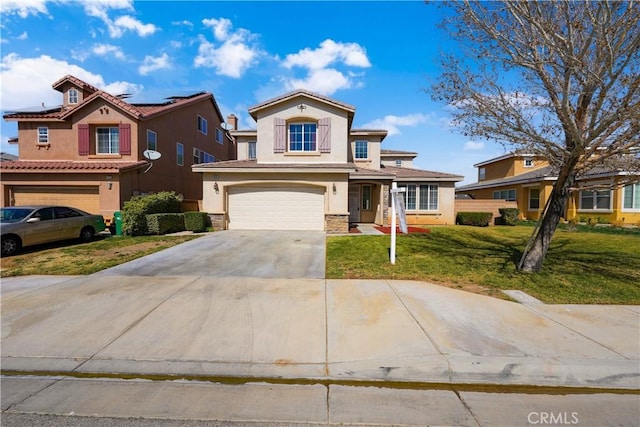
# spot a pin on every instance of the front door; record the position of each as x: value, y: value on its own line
x: 354, y: 203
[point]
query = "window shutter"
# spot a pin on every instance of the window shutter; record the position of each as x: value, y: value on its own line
x: 125, y: 138
x: 324, y: 135
x: 83, y: 140
x: 280, y: 135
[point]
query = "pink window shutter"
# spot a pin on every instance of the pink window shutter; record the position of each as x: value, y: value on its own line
x: 324, y: 135
x: 83, y: 140
x: 280, y: 135
x: 125, y: 138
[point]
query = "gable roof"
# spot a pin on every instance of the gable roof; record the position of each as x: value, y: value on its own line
x: 397, y: 153
x: 411, y: 174
x: 66, y: 166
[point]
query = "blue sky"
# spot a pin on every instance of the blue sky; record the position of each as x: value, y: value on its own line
x: 379, y: 56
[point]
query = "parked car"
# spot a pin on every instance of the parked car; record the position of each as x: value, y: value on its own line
x: 31, y: 225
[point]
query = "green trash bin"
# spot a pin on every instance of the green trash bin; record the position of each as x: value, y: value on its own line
x: 117, y: 218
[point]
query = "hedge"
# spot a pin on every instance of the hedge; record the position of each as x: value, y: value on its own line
x: 477, y: 219
x: 134, y: 221
x: 508, y: 216
x: 195, y: 221
x: 165, y: 223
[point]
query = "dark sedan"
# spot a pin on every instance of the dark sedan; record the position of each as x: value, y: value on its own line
x: 31, y: 225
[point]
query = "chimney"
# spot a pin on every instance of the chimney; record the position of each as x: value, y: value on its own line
x: 232, y: 120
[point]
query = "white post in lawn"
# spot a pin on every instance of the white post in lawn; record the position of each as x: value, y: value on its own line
x: 392, y: 255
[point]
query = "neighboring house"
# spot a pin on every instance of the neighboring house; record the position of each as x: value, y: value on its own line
x: 528, y: 180
x: 306, y: 168
x: 88, y: 152
x: 6, y: 157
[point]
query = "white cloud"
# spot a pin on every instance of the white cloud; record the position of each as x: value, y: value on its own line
x: 183, y: 23
x: 23, y: 36
x: 329, y: 52
x: 23, y: 8
x: 100, y: 9
x: 473, y: 145
x: 153, y: 64
x: 126, y: 22
x: 320, y: 65
x: 325, y: 81
x: 392, y: 124
x: 235, y: 52
x: 102, y: 49
x: 27, y: 82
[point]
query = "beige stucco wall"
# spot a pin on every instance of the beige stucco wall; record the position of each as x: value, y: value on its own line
x: 314, y: 111
x: 217, y: 202
x: 373, y: 161
x: 445, y: 215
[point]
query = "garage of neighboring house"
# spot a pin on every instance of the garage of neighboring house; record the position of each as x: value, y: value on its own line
x: 277, y: 207
x: 86, y: 198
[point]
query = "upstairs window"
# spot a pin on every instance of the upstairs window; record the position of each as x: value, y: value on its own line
x: 73, y: 96
x: 108, y: 140
x: 482, y: 174
x: 362, y: 150
x: 152, y: 140
x: 179, y: 154
x: 529, y: 163
x: 43, y: 135
x: 202, y: 125
x: 398, y: 163
x: 219, y: 136
x: 251, y: 154
x: 631, y: 198
x: 302, y: 137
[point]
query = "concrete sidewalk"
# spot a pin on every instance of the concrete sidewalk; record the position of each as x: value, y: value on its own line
x: 333, y: 331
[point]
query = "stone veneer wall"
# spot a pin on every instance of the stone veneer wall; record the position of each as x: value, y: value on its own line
x: 217, y: 221
x: 336, y: 224
x: 384, y: 204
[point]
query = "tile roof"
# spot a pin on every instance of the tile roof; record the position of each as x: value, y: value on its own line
x: 541, y: 174
x: 295, y: 93
x: 254, y: 165
x: 68, y: 166
x: 385, y: 152
x: 363, y: 173
x: 406, y: 174
x: 76, y: 81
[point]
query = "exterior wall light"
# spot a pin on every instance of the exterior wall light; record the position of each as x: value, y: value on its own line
x: 335, y: 190
x: 216, y: 188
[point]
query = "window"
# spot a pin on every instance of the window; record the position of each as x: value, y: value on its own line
x: 366, y: 197
x: 73, y: 96
x: 202, y: 125
x: 219, y: 136
x: 534, y: 199
x: 302, y: 137
x: 422, y: 197
x: 152, y: 140
x: 43, y: 135
x: 362, y: 150
x: 508, y: 195
x: 196, y: 156
x: 482, y: 174
x: 529, y: 163
x: 631, y: 198
x: 595, y: 200
x: 398, y: 163
x: 200, y: 156
x: 179, y: 154
x: 252, y: 150
x: 107, y: 140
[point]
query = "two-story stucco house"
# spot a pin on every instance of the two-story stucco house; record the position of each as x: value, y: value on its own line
x: 528, y: 180
x: 306, y: 168
x: 88, y: 151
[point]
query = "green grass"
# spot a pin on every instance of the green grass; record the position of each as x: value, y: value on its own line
x: 582, y: 266
x: 72, y: 258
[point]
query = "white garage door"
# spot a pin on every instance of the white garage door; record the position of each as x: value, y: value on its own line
x: 84, y: 198
x: 276, y: 208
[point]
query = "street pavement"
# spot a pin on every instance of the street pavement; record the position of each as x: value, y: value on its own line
x: 297, y: 350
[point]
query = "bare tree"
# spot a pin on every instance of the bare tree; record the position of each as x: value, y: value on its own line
x: 559, y: 79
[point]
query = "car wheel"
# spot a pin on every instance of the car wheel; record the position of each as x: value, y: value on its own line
x: 87, y: 234
x: 10, y: 246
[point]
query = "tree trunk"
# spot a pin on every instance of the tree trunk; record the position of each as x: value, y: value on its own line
x: 536, y: 251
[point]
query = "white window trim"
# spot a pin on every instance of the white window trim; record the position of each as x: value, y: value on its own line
x: 100, y: 153
x: 602, y: 210
x: 46, y: 135
x: 417, y: 208
x: 289, y: 150
x: 624, y: 189
x: 370, y: 207
x: 355, y: 149
x: 74, y: 91
x: 533, y: 163
x: 155, y: 135
x: 529, y: 200
x: 255, y: 151
x: 398, y: 163
x: 482, y: 174
x: 202, y: 129
x: 219, y: 136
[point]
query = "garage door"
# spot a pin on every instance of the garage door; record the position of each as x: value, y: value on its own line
x: 86, y: 198
x: 276, y: 208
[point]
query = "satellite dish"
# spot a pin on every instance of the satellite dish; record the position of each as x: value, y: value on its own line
x: 226, y: 126
x: 151, y: 154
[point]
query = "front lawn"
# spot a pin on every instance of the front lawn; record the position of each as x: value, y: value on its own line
x: 582, y: 267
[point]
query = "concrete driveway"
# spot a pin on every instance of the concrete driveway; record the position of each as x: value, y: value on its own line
x: 230, y: 253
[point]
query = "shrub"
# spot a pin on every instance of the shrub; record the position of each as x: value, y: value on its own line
x: 509, y: 216
x: 165, y: 223
x: 195, y: 221
x: 477, y: 219
x: 134, y: 221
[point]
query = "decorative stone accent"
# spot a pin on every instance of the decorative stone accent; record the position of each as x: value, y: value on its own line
x: 385, y: 204
x: 217, y: 221
x: 336, y: 224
